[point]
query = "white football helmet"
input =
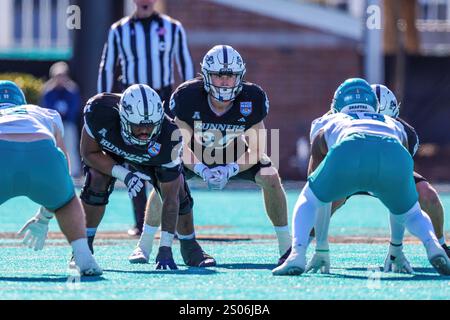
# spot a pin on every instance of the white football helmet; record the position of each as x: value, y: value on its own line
x: 388, y: 102
x: 223, y: 60
x: 140, y: 105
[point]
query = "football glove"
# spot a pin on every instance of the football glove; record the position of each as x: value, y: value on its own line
x: 133, y: 180
x: 36, y: 229
x: 164, y: 259
x: 396, y: 261
x: 204, y: 172
x: 320, y: 261
x: 222, y: 174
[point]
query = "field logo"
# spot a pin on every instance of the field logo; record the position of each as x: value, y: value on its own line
x: 74, y: 280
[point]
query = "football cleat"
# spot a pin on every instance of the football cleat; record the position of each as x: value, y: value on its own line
x: 446, y: 249
x: 442, y: 264
x: 437, y: 257
x: 89, y: 268
x: 284, y: 257
x: 134, y: 232
x: 194, y: 256
x: 294, y: 265
x: 139, y: 256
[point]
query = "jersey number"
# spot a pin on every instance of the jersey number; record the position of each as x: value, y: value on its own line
x: 373, y: 116
x: 11, y: 111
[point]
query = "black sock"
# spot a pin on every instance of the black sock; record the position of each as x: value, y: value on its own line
x: 90, y: 241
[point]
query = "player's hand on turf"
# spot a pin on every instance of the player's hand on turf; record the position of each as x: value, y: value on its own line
x: 135, y: 182
x: 164, y: 259
x: 396, y: 261
x: 36, y: 229
x: 319, y: 262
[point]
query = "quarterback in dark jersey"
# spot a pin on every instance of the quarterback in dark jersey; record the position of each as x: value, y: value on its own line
x: 221, y: 118
x: 133, y: 128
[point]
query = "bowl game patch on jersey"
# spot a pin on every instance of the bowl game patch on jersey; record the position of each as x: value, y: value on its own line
x: 246, y: 108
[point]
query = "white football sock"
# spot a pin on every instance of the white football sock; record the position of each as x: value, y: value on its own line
x: 397, y: 230
x: 304, y: 216
x: 166, y: 239
x: 81, y: 253
x: 418, y: 223
x: 284, y: 239
x: 146, y: 239
x: 322, y: 224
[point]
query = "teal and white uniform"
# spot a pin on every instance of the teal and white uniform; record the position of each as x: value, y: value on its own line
x: 365, y: 153
x: 35, y: 169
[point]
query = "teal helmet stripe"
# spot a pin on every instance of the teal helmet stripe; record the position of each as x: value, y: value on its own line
x: 11, y: 94
x: 355, y: 95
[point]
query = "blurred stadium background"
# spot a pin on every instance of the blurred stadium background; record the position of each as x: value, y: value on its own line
x: 298, y: 51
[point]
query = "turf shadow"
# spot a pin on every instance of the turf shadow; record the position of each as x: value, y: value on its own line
x: 427, y: 275
x: 188, y: 271
x: 257, y: 266
x: 57, y: 279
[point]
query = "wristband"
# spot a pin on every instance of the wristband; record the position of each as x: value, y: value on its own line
x: 119, y: 172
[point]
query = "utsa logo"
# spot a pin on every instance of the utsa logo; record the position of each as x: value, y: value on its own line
x: 154, y: 149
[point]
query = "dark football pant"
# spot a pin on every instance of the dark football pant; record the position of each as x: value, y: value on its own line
x: 139, y: 202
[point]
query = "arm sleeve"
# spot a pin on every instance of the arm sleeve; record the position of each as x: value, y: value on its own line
x: 109, y: 57
x: 182, y: 55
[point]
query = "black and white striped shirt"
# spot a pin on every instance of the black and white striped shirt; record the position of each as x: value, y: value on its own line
x: 146, y: 49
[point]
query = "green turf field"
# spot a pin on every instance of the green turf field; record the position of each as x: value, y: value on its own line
x: 237, y: 233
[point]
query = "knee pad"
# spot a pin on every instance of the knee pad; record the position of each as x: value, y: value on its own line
x: 92, y: 197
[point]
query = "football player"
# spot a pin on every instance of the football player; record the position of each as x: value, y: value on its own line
x: 217, y: 113
x: 428, y: 196
x: 133, y: 128
x: 353, y: 152
x: 34, y: 165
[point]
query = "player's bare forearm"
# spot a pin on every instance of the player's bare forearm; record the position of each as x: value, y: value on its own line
x: 170, y: 204
x: 94, y: 156
x: 189, y: 158
x: 257, y: 138
x: 319, y: 150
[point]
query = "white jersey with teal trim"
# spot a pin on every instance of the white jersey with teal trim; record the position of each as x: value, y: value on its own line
x: 337, y: 126
x: 28, y: 119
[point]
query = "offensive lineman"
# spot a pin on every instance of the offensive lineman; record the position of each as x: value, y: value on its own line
x: 215, y: 114
x: 133, y: 128
x: 353, y: 152
x: 29, y: 132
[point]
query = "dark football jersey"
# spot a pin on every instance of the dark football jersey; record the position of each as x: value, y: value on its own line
x: 413, y: 138
x: 162, y: 157
x: 218, y: 135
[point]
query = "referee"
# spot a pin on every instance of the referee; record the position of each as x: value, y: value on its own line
x: 146, y: 45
